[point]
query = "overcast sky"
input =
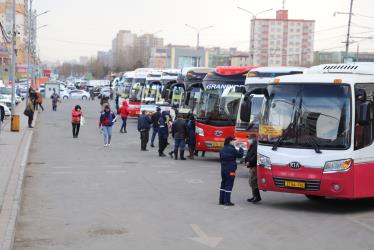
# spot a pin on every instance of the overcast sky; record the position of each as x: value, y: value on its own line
x: 82, y: 27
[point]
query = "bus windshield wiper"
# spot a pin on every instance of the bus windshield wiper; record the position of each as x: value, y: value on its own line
x: 279, y: 141
x: 314, y: 144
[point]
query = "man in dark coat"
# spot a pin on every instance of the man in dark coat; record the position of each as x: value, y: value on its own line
x: 179, y: 132
x: 228, y: 156
x: 251, y: 163
x: 155, y: 118
x: 144, y: 124
x: 163, y: 133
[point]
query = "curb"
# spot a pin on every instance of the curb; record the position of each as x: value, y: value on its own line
x: 13, y: 194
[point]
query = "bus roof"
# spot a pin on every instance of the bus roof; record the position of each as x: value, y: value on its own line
x: 233, y: 70
x: 278, y: 69
x: 264, y: 75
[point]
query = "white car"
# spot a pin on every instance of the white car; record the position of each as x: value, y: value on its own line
x: 79, y: 94
x: 64, y: 94
x: 6, y: 109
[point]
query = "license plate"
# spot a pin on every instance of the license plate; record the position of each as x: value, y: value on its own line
x: 294, y: 184
x: 217, y: 144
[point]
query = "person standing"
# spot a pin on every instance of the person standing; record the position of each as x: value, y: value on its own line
x: 144, y: 124
x: 251, y: 163
x: 76, y: 116
x: 116, y: 103
x: 124, y: 112
x: 55, y: 99
x: 107, y: 119
x: 155, y: 127
x: 228, y: 156
x: 92, y: 94
x: 179, y: 132
x: 163, y: 133
x: 30, y: 109
x: 191, y: 128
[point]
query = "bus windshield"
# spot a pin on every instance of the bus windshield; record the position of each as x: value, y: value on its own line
x: 152, y: 93
x: 217, y: 108
x: 136, y: 92
x: 307, y: 115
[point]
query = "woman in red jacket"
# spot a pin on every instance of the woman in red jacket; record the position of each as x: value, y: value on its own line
x: 76, y: 115
x: 124, y: 112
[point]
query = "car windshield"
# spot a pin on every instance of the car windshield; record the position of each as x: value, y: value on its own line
x: 218, y: 107
x: 300, y: 115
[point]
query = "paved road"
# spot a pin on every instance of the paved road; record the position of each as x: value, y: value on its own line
x: 80, y: 195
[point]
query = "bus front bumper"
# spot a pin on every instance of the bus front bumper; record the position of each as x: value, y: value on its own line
x: 307, y: 181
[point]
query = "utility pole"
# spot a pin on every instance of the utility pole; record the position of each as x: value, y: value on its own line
x: 14, y: 58
x: 349, y: 30
x: 29, y: 43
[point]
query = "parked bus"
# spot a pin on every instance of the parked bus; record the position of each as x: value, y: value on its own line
x: 127, y: 83
x: 136, y: 91
x: 258, y: 77
x: 191, y: 81
x: 217, y: 107
x: 316, y: 133
x: 169, y: 80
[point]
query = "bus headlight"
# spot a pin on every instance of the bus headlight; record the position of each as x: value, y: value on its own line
x: 263, y: 161
x: 199, y: 131
x: 337, y: 166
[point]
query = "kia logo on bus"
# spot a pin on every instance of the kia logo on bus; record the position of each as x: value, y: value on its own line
x: 218, y: 133
x: 294, y: 165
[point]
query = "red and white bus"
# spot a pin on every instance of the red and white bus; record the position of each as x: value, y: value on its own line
x: 316, y: 133
x: 259, y: 77
x: 218, y: 105
x: 136, y: 91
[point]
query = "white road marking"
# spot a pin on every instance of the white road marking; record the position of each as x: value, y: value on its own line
x: 195, y: 181
x: 363, y: 224
x: 203, y: 237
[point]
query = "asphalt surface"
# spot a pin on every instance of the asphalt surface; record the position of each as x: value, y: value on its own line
x: 80, y: 195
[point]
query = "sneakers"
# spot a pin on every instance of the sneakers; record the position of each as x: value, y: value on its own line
x: 162, y: 155
x: 152, y: 145
x: 229, y: 204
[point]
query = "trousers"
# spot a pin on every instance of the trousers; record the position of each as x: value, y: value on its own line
x: 144, y: 138
x: 154, y: 133
x: 227, y: 184
x: 107, y: 131
x: 76, y: 127
x: 253, y: 178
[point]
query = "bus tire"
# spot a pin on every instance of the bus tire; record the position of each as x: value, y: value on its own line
x: 315, y: 197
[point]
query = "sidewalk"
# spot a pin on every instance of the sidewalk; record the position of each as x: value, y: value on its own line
x: 14, y: 148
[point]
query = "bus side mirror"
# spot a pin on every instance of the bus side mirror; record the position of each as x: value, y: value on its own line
x: 364, y: 113
x: 245, y: 109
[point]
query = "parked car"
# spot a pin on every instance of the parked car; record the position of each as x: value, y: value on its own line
x: 4, y: 99
x: 6, y: 109
x: 79, y: 94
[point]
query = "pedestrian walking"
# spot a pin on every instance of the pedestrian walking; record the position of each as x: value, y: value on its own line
x: 155, y: 127
x: 124, y: 113
x: 163, y: 133
x: 191, y: 128
x: 2, y: 116
x: 144, y: 124
x: 228, y: 156
x: 39, y: 100
x: 30, y: 109
x: 55, y: 99
x: 116, y: 103
x: 107, y: 119
x: 179, y: 133
x: 251, y: 163
x: 76, y: 119
x: 92, y: 94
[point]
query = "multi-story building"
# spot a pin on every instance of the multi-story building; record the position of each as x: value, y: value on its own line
x: 144, y: 45
x: 105, y: 57
x: 240, y: 59
x: 218, y: 57
x: 123, y: 48
x: 282, y: 41
x: 178, y: 56
x: 324, y: 57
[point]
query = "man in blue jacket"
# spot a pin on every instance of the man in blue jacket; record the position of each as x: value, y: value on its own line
x: 228, y: 156
x: 144, y: 124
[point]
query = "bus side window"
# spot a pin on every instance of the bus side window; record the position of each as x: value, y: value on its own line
x: 364, y: 134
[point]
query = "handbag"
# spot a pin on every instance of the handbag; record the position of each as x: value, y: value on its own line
x: 27, y: 112
x: 83, y: 121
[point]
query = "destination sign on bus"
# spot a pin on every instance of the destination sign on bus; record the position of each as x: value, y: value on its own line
x: 217, y: 85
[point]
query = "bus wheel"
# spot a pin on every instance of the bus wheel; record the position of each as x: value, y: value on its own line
x: 315, y: 198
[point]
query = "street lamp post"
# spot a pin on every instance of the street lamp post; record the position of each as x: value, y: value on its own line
x: 198, y: 30
x: 252, y: 30
x: 349, y: 26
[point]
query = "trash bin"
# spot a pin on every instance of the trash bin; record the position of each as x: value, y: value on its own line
x: 14, y: 127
